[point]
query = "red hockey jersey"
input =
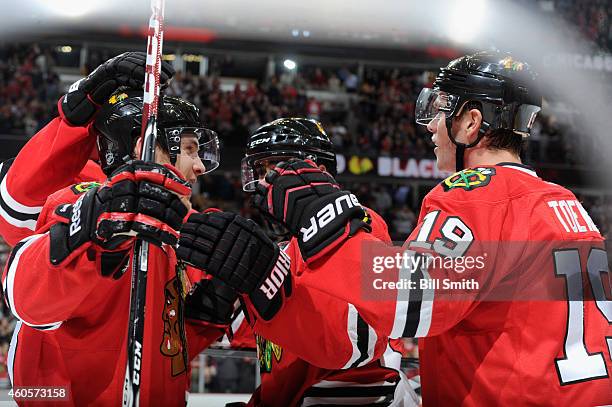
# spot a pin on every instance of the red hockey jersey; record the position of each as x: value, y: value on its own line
x: 505, y: 334
x: 537, y: 330
x: 40, y: 169
x: 73, y: 321
x: 289, y: 380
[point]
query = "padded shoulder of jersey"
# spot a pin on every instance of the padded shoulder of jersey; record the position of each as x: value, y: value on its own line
x: 493, y: 184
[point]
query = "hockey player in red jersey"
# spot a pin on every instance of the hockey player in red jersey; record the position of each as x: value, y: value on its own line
x: 543, y: 342
x: 60, y: 151
x: 286, y: 378
x: 69, y: 332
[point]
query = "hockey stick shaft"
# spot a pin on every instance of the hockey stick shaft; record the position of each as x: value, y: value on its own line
x: 140, y: 260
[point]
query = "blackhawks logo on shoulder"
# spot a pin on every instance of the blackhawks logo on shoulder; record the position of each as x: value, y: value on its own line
x: 469, y: 179
x: 84, y: 187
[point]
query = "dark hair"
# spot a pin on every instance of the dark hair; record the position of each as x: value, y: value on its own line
x: 499, y: 139
x: 504, y: 139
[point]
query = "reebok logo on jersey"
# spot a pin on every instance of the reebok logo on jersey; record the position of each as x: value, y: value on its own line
x: 327, y: 214
x: 469, y: 179
x: 75, y: 219
x: 275, y: 280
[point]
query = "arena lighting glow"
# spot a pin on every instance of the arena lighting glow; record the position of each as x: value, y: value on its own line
x: 290, y: 64
x: 466, y: 19
x: 68, y: 8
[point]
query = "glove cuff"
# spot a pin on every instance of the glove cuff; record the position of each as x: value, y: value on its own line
x: 76, y: 109
x: 268, y: 298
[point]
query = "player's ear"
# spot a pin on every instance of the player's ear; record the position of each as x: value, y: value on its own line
x: 138, y: 147
x: 322, y: 167
x: 472, y: 122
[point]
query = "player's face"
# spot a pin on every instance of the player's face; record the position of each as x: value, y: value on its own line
x: 445, y: 149
x: 188, y: 162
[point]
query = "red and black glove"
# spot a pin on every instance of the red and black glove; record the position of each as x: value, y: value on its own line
x: 310, y: 204
x: 85, y: 96
x: 138, y: 199
x: 238, y: 252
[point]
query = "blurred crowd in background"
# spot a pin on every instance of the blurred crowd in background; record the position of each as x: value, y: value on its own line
x: 376, y: 119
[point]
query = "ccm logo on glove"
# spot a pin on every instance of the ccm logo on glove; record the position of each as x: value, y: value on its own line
x: 326, y: 215
x: 275, y: 280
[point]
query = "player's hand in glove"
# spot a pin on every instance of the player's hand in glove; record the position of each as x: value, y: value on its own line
x: 212, y: 301
x: 309, y: 202
x: 138, y: 199
x: 85, y: 96
x: 237, y: 251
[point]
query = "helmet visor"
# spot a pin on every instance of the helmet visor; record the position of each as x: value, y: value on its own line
x: 195, y: 142
x: 433, y: 102
x: 253, y: 170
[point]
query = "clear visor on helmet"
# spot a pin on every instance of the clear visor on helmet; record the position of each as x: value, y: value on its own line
x: 195, y: 142
x: 255, y: 170
x: 433, y: 102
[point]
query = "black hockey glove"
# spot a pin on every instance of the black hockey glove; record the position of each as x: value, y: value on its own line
x: 138, y: 199
x: 311, y: 205
x: 85, y: 96
x: 238, y: 252
x: 212, y: 301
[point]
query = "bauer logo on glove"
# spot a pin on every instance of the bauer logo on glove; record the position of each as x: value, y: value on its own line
x: 326, y: 215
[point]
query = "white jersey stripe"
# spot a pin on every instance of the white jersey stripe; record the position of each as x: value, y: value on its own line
x: 10, y: 362
x: 427, y: 301
x: 30, y: 223
x: 403, y: 297
x: 372, y: 337
x: 13, y: 204
x: 352, y: 334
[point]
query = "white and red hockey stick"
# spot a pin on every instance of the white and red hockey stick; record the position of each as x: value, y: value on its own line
x: 140, y: 261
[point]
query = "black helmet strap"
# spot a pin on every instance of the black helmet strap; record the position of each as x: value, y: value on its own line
x: 461, y: 147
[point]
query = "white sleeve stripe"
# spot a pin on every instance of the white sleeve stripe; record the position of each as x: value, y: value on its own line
x: 10, y: 362
x: 363, y: 339
x: 427, y: 301
x: 46, y: 327
x: 10, y: 283
x: 30, y: 223
x: 372, y: 337
x: 333, y: 384
x: 403, y: 301
x: 237, y: 322
x: 422, y: 307
x: 13, y: 204
x: 352, y: 334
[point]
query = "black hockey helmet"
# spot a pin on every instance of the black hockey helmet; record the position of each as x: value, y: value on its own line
x: 505, y: 88
x: 119, y: 124
x: 282, y: 139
